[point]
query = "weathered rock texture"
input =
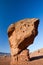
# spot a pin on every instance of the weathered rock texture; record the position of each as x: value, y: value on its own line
x: 21, y: 34
x: 22, y: 57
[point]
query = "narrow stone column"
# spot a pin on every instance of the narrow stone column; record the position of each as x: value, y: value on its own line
x: 24, y: 55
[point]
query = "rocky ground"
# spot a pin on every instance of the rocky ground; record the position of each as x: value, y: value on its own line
x: 36, y: 58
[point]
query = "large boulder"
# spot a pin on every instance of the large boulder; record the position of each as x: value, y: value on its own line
x: 22, y: 34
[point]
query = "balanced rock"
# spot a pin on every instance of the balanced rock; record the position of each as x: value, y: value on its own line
x: 22, y: 34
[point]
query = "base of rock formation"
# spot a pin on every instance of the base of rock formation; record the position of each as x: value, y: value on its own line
x: 23, y: 56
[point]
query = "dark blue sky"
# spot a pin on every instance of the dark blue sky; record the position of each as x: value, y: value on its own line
x: 14, y: 10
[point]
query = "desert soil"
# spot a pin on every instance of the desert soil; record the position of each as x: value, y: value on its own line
x: 35, y: 61
x: 36, y: 58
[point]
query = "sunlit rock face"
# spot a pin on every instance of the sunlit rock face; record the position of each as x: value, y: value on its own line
x: 22, y: 34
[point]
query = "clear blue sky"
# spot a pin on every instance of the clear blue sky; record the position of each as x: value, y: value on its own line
x: 14, y: 10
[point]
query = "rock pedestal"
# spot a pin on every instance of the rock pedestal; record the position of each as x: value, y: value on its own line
x: 22, y: 34
x: 22, y: 57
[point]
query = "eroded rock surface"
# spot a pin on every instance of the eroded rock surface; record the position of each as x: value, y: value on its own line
x: 23, y: 56
x: 22, y: 34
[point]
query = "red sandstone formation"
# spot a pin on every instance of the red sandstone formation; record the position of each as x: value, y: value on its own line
x: 22, y: 34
